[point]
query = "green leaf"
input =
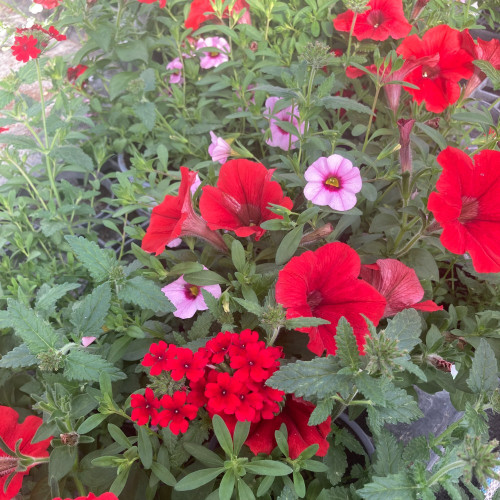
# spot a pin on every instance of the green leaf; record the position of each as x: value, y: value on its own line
x: 318, y: 377
x: 146, y: 112
x: 370, y: 388
x: 119, y: 483
x: 91, y: 423
x: 61, y: 461
x: 146, y: 294
x: 198, y: 478
x: 417, y: 450
x: 393, y: 486
x: 347, y: 347
x: 289, y: 245
x: 491, y: 72
x: 97, y: 261
x: 81, y: 365
x: 204, y: 278
x: 73, y: 155
x: 265, y: 484
x: 304, y: 322
x: 388, y: 454
x: 282, y: 441
x: 226, y: 487
x: 484, y: 372
x: 336, y: 493
x: 19, y: 357
x: 240, y: 435
x: 314, y: 466
x: 405, y: 327
x: 299, y: 484
x: 119, y: 82
x: 238, y: 255
x: 268, y: 468
x: 244, y: 491
x: 47, y: 296
x: 407, y: 365
x: 144, y: 447
x: 36, y: 333
x: 336, y: 461
x: 201, y: 326
x: 249, y: 306
x: 336, y: 102
x: 163, y: 474
x: 131, y: 51
x: 204, y: 455
x: 88, y: 315
x: 223, y: 435
x: 117, y: 434
x: 321, y: 412
x: 433, y: 134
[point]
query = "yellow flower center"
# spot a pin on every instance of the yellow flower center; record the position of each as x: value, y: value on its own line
x: 194, y: 290
x: 332, y: 181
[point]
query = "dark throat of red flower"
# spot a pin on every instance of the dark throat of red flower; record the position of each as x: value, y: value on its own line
x: 470, y: 209
x: 375, y: 18
x: 8, y: 465
x: 430, y: 71
x: 314, y: 299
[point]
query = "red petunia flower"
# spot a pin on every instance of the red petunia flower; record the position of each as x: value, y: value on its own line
x: 466, y: 206
x: 325, y: 284
x: 399, y: 285
x: 175, y: 217
x: 48, y: 4
x: 25, y: 48
x: 383, y: 19
x: 295, y: 415
x: 162, y: 2
x: 202, y: 10
x: 11, y: 431
x: 447, y: 62
x: 91, y: 496
x: 221, y: 394
x: 485, y: 51
x: 158, y: 356
x: 75, y: 72
x: 240, y: 200
x: 144, y: 407
x: 188, y: 364
x: 177, y: 412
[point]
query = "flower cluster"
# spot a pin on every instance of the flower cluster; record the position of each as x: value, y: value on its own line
x: 30, y: 42
x: 203, y: 10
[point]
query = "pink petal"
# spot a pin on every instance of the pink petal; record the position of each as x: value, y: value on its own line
x: 86, y: 341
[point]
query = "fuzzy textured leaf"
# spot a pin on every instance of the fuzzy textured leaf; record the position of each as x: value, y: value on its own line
x: 484, y: 372
x: 321, y: 412
x: 336, y: 461
x: 201, y: 326
x: 347, y: 347
x: 406, y: 328
x: 47, y: 296
x: 19, y: 357
x: 393, y: 486
x: 388, y: 454
x: 146, y: 294
x: 88, y: 315
x: 81, y: 365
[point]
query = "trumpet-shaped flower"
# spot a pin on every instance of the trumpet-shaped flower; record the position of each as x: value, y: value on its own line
x: 219, y: 150
x: 280, y: 138
x: 176, y: 67
x: 212, y: 59
x: 333, y: 181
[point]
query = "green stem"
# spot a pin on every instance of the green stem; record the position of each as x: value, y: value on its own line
x: 342, y: 405
x: 403, y: 230
x: 28, y: 180
x: 123, y: 238
x: 370, y: 121
x: 349, y: 43
x: 443, y: 471
x: 410, y: 244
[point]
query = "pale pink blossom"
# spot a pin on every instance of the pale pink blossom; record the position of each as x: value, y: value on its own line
x: 174, y: 243
x: 281, y: 138
x: 219, y: 150
x: 175, y: 66
x: 217, y: 57
x: 399, y: 285
x: 333, y: 181
x: 187, y: 298
x: 86, y: 341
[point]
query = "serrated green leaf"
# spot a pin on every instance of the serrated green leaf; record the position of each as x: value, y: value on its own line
x: 491, y: 72
x: 146, y: 294
x: 19, y: 357
x: 407, y: 365
x: 198, y: 478
x: 370, y: 388
x: 88, y: 314
x: 249, y: 306
x: 417, y: 450
x: 393, y: 486
x: 86, y: 367
x: 289, y: 245
x: 388, y: 452
x: 36, y: 333
x: 47, y: 296
x: 336, y: 493
x: 98, y: 262
x: 73, y: 155
x: 268, y: 468
x: 484, y: 372
x: 405, y: 327
x: 201, y: 326
x: 347, y: 347
x: 310, y: 378
x: 336, y: 461
x: 321, y: 412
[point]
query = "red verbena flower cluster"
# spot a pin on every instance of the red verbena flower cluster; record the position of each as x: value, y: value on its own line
x: 30, y: 42
x: 48, y: 4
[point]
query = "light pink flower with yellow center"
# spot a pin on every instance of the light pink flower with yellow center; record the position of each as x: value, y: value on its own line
x: 219, y: 150
x: 280, y: 138
x: 333, y: 181
x: 187, y: 298
x: 212, y: 59
x: 176, y: 66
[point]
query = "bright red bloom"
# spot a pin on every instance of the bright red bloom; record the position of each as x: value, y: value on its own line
x: 176, y: 412
x: 222, y: 394
x: 54, y: 33
x: 219, y: 346
x: 466, y: 205
x: 3, y: 129
x: 295, y: 415
x: 11, y: 431
x: 325, y: 284
x: 384, y: 19
x: 188, y: 364
x: 485, y: 51
x: 48, y: 4
x: 75, y: 72
x: 158, y: 356
x: 240, y: 200
x: 144, y: 407
x: 240, y: 341
x: 249, y: 404
x: 175, y: 217
x: 197, y: 16
x: 257, y: 362
x: 447, y: 62
x: 162, y: 2
x: 399, y: 285
x: 91, y: 496
x: 25, y: 48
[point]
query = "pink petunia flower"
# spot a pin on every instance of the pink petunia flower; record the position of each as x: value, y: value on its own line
x: 281, y: 138
x: 216, y: 58
x: 176, y: 66
x: 188, y: 298
x: 333, y: 181
x: 219, y: 150
x: 399, y: 285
